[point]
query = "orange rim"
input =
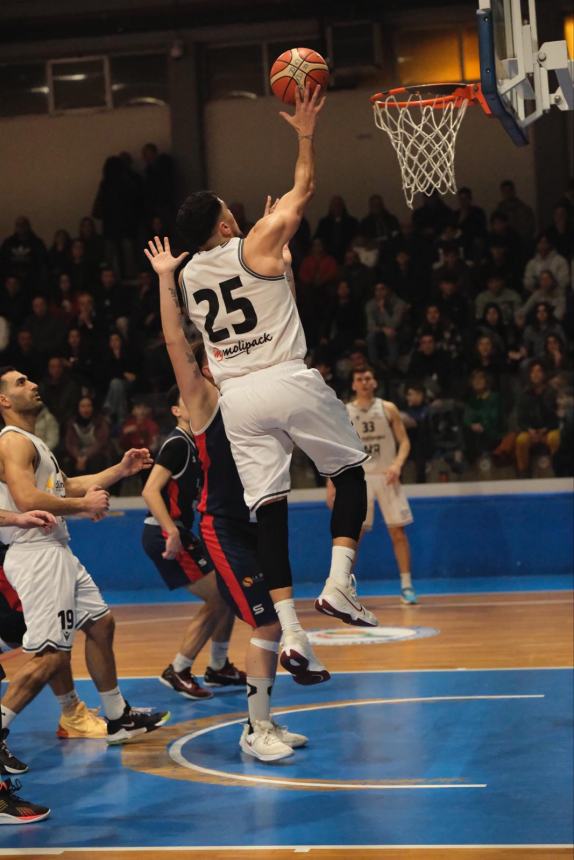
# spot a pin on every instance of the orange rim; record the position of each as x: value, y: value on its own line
x: 459, y: 93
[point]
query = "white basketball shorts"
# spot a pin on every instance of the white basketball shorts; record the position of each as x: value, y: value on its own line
x: 269, y: 411
x: 392, y: 500
x: 57, y: 593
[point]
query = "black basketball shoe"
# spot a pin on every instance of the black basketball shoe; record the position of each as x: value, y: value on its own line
x: 228, y: 676
x: 15, y: 810
x: 134, y: 722
x: 8, y: 762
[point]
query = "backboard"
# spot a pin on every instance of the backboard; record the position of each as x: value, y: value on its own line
x: 520, y: 79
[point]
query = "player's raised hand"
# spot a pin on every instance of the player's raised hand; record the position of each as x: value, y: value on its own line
x: 135, y: 460
x: 36, y: 520
x: 270, y: 206
x: 159, y: 254
x: 308, y: 104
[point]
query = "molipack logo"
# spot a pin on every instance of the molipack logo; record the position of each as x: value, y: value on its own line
x: 242, y: 347
x: 369, y: 635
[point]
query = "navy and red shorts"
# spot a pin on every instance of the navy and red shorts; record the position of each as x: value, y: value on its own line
x: 232, y: 545
x: 189, y: 565
x: 12, y: 624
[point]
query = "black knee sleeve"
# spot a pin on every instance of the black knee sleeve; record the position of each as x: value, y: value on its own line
x: 350, y: 508
x: 273, y: 544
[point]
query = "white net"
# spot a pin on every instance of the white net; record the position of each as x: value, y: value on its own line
x: 423, y: 132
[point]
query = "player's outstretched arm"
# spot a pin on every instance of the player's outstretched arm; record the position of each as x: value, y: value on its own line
x: 393, y: 473
x: 264, y: 244
x: 17, y: 455
x: 197, y: 393
x: 133, y: 461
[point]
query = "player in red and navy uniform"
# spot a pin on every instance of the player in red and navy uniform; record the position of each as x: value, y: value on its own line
x: 171, y: 493
x: 228, y: 534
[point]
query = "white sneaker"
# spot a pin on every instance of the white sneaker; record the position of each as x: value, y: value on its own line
x: 292, y: 739
x: 297, y: 657
x: 341, y: 602
x: 263, y: 742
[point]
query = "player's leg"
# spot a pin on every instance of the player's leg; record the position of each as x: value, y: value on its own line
x: 397, y: 515
x: 93, y: 617
x: 76, y: 719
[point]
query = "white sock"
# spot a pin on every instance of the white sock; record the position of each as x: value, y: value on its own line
x: 68, y: 701
x: 7, y: 716
x: 259, y: 698
x: 342, y: 559
x: 113, y: 703
x: 181, y: 662
x: 406, y: 581
x: 288, y: 620
x: 218, y: 654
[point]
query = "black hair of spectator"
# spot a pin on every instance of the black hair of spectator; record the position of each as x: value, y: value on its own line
x: 537, y: 362
x: 173, y: 396
x: 508, y: 183
x: 533, y: 316
x: 448, y: 279
x: 479, y: 371
x: 197, y: 218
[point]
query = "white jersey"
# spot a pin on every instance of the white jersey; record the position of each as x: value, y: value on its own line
x: 376, y: 434
x: 49, y: 479
x: 248, y: 321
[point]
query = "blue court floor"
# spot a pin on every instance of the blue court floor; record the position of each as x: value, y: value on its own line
x: 461, y: 757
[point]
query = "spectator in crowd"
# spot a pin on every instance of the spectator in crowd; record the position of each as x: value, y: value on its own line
x: 86, y: 442
x: 561, y: 231
x: 94, y: 246
x: 546, y: 259
x: 63, y: 304
x: 409, y: 280
x: 139, y: 430
x: 453, y: 267
x: 81, y: 271
x: 159, y: 185
x: 445, y: 334
x: 431, y: 367
x: 502, y: 232
x: 360, y: 278
x: 80, y: 360
x: 145, y: 319
x: 556, y: 360
x: 384, y: 315
x: 500, y: 264
x: 47, y: 330
x: 47, y: 428
x: 483, y: 419
x: 59, y: 391
x: 23, y: 254
x: 543, y: 324
x: 452, y: 304
x: 4, y: 334
x: 337, y: 229
x: 430, y: 219
x: 24, y: 355
x: 366, y: 250
x: 416, y: 418
x: 112, y: 302
x: 520, y: 215
x: 486, y: 357
x: 157, y: 369
x: 300, y: 244
x: 471, y: 221
x: 119, y: 371
x: 503, y: 335
x: 537, y: 418
x: 499, y: 294
x: 381, y: 226
x: 548, y: 290
x: 59, y: 254
x: 14, y: 300
x: 88, y: 322
x: 118, y: 205
x: 317, y: 274
x: 344, y: 320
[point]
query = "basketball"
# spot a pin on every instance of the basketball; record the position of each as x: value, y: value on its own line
x: 296, y: 69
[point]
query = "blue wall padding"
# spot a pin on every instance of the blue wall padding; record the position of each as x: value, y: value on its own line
x: 529, y: 535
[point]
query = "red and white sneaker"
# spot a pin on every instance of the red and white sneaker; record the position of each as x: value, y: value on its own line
x: 297, y: 657
x: 342, y: 602
x: 184, y: 683
x: 228, y: 676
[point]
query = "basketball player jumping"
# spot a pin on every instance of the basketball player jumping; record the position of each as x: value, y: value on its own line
x: 236, y: 293
x: 58, y: 595
x: 181, y: 559
x: 381, y: 429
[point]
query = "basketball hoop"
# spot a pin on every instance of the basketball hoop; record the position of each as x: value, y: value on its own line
x: 422, y: 123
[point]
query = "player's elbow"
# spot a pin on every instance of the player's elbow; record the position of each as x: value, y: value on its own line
x: 24, y: 501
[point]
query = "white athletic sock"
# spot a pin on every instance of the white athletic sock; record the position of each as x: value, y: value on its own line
x: 181, y: 662
x: 68, y: 701
x: 7, y: 716
x: 218, y: 654
x: 342, y: 559
x: 406, y: 581
x: 259, y: 698
x: 288, y: 620
x: 113, y: 703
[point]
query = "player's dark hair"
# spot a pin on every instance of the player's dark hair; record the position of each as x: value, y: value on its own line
x: 7, y: 368
x: 173, y: 396
x: 197, y: 218
x: 365, y: 368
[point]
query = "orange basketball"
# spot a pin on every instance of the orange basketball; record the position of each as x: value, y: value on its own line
x: 295, y: 69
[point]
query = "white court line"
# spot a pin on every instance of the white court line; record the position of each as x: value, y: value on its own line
x: 303, y: 849
x: 383, y: 671
x: 175, y: 751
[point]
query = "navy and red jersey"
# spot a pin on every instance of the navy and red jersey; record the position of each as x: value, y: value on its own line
x: 178, y: 455
x: 222, y: 492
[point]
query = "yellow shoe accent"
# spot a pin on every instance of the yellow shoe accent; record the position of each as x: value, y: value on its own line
x: 82, y: 722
